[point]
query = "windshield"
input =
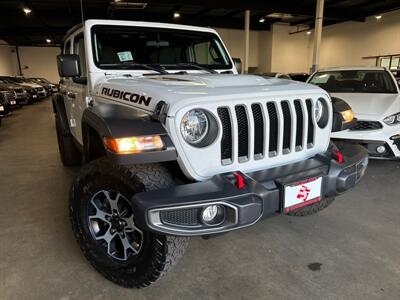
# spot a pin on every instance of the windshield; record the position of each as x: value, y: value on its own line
x: 358, y: 81
x: 123, y: 47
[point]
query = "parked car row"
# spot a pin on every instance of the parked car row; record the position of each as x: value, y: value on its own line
x: 18, y: 91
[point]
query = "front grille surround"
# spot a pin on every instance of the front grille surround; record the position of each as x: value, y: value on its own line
x: 223, y: 155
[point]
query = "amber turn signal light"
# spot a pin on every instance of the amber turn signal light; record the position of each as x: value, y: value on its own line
x: 348, y: 115
x: 132, y: 145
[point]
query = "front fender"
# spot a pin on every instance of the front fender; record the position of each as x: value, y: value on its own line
x: 117, y: 121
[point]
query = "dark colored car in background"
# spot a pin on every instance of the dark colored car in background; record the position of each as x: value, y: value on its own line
x: 7, y: 101
x: 299, y: 76
x: 21, y: 95
x: 54, y: 87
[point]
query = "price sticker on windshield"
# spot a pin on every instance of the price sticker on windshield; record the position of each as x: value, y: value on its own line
x: 125, y: 56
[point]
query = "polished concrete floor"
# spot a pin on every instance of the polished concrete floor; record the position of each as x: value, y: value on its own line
x: 349, y: 251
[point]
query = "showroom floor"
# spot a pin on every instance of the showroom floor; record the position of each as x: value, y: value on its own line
x: 349, y: 251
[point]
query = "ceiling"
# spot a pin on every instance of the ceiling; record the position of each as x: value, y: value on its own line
x: 50, y: 19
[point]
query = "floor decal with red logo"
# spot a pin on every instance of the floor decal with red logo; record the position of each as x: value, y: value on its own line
x: 302, y: 193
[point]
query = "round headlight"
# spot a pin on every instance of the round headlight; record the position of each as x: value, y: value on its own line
x: 194, y: 126
x: 321, y: 113
x: 318, y: 110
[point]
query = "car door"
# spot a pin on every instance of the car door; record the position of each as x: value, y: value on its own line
x: 78, y: 88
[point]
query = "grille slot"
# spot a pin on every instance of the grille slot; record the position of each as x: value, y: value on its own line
x: 273, y: 127
x: 181, y: 217
x: 243, y: 132
x: 310, y: 132
x: 366, y: 125
x: 226, y: 140
x: 287, y: 126
x: 258, y: 130
x: 299, y: 124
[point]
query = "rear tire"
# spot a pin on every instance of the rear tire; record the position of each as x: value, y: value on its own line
x: 69, y: 152
x: 154, y: 254
x: 312, y: 209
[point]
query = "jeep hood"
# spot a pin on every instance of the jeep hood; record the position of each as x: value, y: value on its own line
x: 371, y: 106
x: 145, y: 92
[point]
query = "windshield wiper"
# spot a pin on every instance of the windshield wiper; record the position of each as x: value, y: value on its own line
x: 126, y: 65
x: 197, y: 66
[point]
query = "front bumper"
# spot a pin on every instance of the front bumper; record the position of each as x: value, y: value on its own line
x: 387, y: 136
x: 177, y: 210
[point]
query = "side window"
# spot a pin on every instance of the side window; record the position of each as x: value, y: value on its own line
x: 79, y: 48
x: 67, y: 47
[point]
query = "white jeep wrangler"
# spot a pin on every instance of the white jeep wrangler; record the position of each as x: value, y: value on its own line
x: 177, y: 144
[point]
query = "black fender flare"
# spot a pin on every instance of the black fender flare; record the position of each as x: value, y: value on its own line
x: 59, y: 109
x: 117, y: 121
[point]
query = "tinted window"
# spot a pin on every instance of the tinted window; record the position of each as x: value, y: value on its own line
x: 67, y: 48
x: 349, y: 81
x: 120, y: 46
x: 79, y: 48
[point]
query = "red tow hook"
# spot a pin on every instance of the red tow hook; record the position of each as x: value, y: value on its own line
x: 338, y: 156
x: 239, y: 180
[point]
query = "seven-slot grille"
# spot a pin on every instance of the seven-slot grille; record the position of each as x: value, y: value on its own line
x: 274, y: 128
x: 367, y: 125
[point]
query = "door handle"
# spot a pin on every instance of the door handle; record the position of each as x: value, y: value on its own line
x: 71, y: 95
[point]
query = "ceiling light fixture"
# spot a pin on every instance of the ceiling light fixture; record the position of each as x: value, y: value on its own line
x: 27, y: 10
x: 176, y: 15
x: 308, y: 32
x: 48, y: 41
x: 262, y: 20
x: 378, y: 17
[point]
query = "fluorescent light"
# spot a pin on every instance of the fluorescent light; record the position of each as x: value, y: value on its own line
x: 262, y: 20
x: 176, y: 15
x: 378, y: 17
x: 308, y: 32
x: 27, y: 10
x: 48, y: 41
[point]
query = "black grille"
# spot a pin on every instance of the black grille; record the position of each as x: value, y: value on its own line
x: 310, y: 133
x: 299, y: 123
x: 367, y: 125
x: 181, y: 217
x: 226, y: 140
x: 287, y: 125
x: 243, y: 131
x: 273, y: 126
x: 258, y: 129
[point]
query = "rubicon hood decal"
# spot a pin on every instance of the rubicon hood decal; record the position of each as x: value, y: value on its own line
x: 126, y: 96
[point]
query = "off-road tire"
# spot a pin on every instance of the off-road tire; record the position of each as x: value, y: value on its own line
x: 158, y: 254
x: 312, y: 209
x: 69, y: 152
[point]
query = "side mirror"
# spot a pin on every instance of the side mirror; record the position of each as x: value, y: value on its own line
x: 343, y: 115
x: 68, y: 65
x: 238, y: 64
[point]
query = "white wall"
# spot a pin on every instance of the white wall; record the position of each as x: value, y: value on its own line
x: 39, y: 62
x: 7, y: 66
x: 234, y: 41
x: 290, y: 52
x: 343, y: 44
x: 347, y: 43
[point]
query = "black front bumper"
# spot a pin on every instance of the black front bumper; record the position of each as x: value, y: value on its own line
x: 177, y: 210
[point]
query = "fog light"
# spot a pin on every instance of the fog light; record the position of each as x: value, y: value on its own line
x: 381, y: 149
x: 213, y: 215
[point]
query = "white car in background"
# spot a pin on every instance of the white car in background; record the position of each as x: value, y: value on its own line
x: 373, y: 93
